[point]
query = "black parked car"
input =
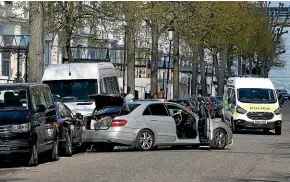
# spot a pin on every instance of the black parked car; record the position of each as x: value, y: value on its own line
x: 70, y: 129
x: 217, y: 106
x: 27, y: 122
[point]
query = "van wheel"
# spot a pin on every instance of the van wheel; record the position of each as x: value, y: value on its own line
x: 219, y: 140
x: 144, y: 140
x: 68, y: 145
x: 33, y: 156
x: 278, y: 130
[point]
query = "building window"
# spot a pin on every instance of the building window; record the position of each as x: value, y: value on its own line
x: 6, y: 63
x: 8, y: 3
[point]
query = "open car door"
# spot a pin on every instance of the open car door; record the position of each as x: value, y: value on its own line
x: 205, y: 124
x: 107, y: 107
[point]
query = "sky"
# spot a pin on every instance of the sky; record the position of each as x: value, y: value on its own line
x: 276, y: 3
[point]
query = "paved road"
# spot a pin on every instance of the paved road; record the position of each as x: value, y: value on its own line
x: 253, y: 157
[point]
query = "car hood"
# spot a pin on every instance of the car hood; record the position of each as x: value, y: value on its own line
x: 14, y: 116
x: 85, y: 108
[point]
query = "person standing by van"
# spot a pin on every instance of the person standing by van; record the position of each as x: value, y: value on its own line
x: 160, y: 94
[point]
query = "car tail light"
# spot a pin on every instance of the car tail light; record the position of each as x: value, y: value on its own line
x: 58, y: 124
x: 48, y: 126
x: 118, y: 122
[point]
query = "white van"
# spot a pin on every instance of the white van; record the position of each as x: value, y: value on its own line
x: 252, y: 103
x: 73, y: 82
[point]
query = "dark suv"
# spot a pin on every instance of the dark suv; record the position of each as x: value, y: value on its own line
x: 27, y: 122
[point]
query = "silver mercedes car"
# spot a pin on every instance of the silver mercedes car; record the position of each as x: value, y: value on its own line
x: 148, y: 124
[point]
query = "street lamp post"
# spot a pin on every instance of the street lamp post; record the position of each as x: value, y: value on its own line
x: 163, y: 76
x: 170, y: 38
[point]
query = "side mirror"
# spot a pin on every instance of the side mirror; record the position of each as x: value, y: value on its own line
x: 79, y: 116
x: 40, y: 108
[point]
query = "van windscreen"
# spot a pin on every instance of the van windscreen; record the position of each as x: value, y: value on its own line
x: 13, y: 98
x: 256, y: 95
x: 73, y: 90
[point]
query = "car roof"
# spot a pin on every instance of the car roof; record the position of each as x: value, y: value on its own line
x: 149, y: 102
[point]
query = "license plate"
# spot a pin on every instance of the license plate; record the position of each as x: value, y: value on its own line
x: 260, y: 122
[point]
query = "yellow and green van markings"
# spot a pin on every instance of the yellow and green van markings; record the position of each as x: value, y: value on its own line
x: 260, y: 108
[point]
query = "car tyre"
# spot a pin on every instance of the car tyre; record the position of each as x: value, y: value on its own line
x: 53, y: 154
x: 144, y: 140
x: 219, y: 140
x: 68, y: 146
x: 33, y: 156
x: 278, y: 130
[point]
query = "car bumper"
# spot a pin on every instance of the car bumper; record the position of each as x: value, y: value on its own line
x: 250, y: 124
x: 108, y: 136
x: 15, y: 143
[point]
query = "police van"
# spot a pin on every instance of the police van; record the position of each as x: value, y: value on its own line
x: 251, y: 103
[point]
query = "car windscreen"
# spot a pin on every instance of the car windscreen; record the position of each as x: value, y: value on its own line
x: 73, y: 90
x: 13, y: 98
x: 133, y: 106
x: 256, y: 95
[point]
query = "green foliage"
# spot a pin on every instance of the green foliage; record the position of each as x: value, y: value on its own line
x: 240, y: 26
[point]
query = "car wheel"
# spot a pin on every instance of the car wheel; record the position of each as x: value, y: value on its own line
x: 219, y: 140
x: 145, y: 140
x: 33, y: 156
x: 53, y: 154
x: 68, y: 146
x: 278, y: 130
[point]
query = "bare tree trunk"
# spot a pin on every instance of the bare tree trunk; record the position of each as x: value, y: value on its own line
x: 194, y: 50
x: 216, y: 63
x: 222, y: 71
x: 229, y: 67
x: 131, y: 56
x: 36, y: 47
x: 176, y: 65
x: 154, y: 58
x: 202, y: 70
x: 239, y: 64
x: 68, y: 47
x: 250, y: 66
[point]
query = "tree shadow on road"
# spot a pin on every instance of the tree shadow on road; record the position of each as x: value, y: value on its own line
x: 255, y: 132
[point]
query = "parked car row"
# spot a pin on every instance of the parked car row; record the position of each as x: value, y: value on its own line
x: 32, y: 123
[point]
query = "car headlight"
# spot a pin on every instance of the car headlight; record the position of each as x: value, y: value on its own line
x: 241, y: 110
x: 21, y: 127
x: 278, y: 111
